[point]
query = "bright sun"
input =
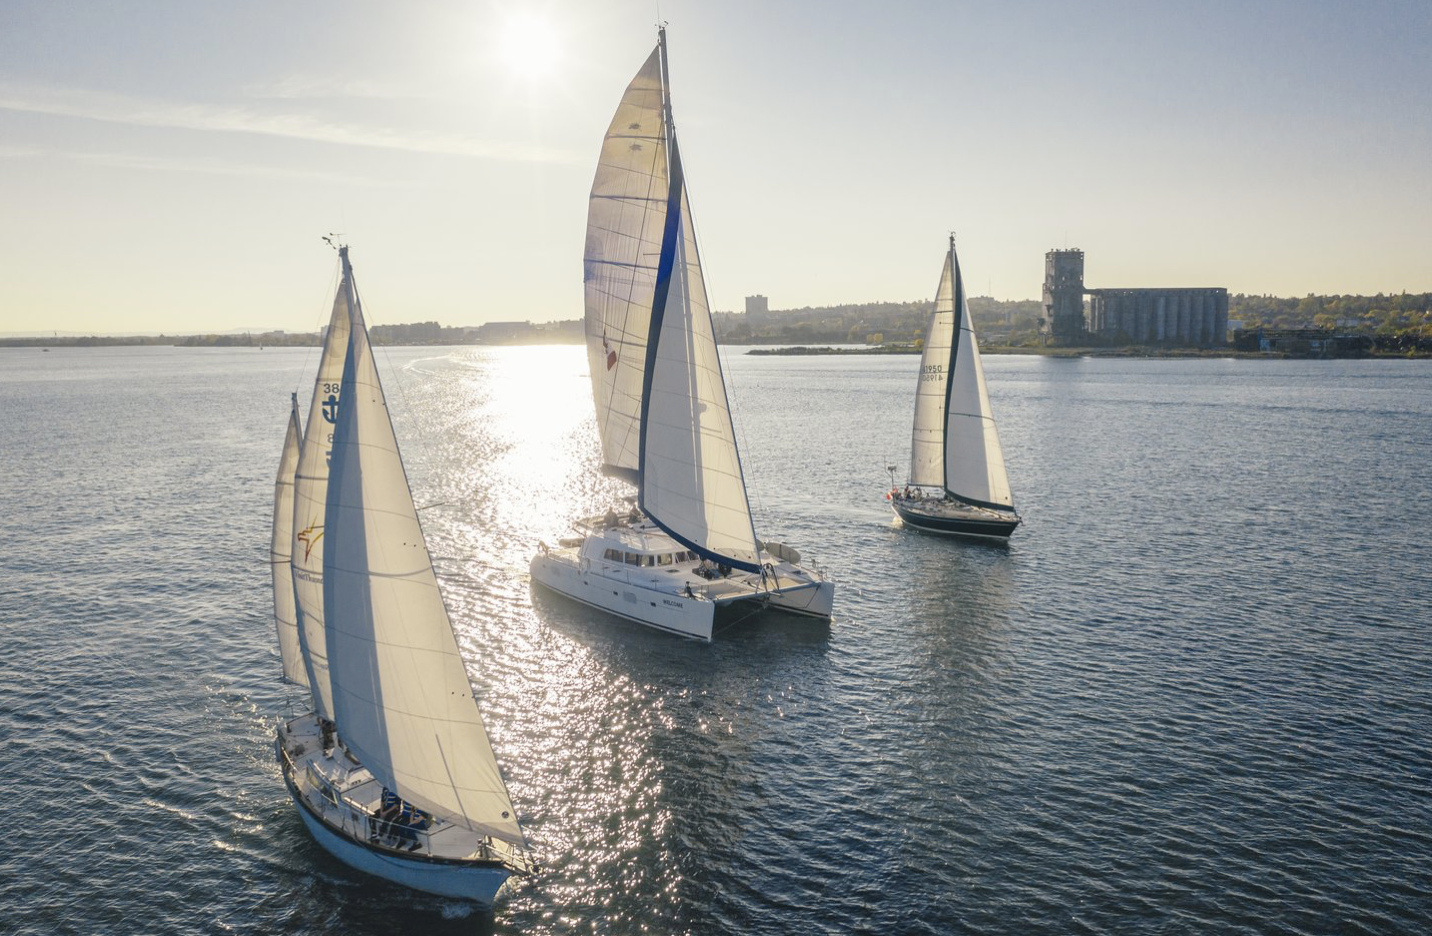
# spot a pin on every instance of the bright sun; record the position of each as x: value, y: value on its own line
x: 527, y: 45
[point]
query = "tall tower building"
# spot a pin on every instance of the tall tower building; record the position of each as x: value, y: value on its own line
x: 1063, y: 294
x: 757, y: 305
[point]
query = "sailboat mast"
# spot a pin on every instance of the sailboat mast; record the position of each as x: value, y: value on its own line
x: 665, y: 92
x: 955, y: 299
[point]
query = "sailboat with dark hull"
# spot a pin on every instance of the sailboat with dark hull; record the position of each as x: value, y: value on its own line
x: 688, y: 547
x: 392, y: 771
x: 958, y: 484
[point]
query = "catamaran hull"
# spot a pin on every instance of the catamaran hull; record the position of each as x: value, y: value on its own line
x: 689, y: 617
x: 445, y: 878
x: 981, y: 528
x: 814, y: 600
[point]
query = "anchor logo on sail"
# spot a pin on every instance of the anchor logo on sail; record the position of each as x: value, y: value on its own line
x: 330, y: 408
x: 611, y: 355
x: 308, y: 539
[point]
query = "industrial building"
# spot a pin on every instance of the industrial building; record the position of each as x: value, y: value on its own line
x: 1196, y: 316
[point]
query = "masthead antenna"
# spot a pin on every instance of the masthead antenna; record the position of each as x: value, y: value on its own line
x: 333, y: 240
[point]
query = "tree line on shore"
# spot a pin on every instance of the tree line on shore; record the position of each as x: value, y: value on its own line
x: 1404, y: 318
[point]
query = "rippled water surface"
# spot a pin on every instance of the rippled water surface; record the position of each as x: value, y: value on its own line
x: 1191, y: 695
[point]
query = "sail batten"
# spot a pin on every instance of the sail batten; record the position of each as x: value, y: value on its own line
x: 402, y: 700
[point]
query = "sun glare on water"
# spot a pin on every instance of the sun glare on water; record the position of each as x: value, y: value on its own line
x: 527, y: 46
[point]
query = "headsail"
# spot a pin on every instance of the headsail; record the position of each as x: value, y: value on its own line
x: 280, y: 559
x: 956, y: 444
x: 691, y: 480
x: 401, y: 696
x: 626, y: 214
x: 310, y: 490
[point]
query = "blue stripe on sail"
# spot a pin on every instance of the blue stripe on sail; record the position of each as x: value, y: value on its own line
x: 664, y: 266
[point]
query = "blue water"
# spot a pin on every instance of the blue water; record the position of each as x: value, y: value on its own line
x: 1192, y: 694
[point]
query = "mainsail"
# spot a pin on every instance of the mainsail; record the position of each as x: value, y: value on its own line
x: 310, y: 490
x: 280, y: 559
x: 401, y: 697
x: 955, y: 444
x: 625, y: 218
x: 661, y: 399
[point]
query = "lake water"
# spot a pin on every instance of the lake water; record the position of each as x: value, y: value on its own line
x: 1191, y: 695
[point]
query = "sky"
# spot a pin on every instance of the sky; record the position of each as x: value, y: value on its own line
x: 169, y: 166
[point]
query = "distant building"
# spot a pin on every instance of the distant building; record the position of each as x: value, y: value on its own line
x: 757, y: 305
x: 1064, y: 294
x: 1195, y: 316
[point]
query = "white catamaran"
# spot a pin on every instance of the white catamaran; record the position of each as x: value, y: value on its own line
x: 958, y: 483
x: 689, y: 546
x: 392, y: 772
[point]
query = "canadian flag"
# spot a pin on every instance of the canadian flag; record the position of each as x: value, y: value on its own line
x: 611, y: 355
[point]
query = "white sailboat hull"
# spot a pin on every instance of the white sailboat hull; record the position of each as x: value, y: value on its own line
x: 816, y: 599
x: 476, y: 883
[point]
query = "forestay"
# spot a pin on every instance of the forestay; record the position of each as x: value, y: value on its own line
x: 402, y: 701
x: 310, y: 490
x: 625, y: 218
x: 280, y: 555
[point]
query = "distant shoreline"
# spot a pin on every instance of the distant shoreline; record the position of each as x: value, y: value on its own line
x: 1125, y: 352
x: 36, y: 344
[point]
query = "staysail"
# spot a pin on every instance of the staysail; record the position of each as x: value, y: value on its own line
x: 626, y: 215
x: 401, y: 697
x: 310, y: 490
x: 280, y: 558
x: 955, y: 442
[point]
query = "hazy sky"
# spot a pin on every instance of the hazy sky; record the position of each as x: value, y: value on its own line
x: 169, y: 166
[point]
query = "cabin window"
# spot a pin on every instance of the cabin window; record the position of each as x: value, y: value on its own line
x: 633, y: 559
x: 612, y: 555
x: 648, y: 560
x: 664, y: 559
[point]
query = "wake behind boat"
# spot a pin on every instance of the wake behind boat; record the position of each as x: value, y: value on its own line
x: 392, y: 772
x: 689, y: 546
x: 958, y: 484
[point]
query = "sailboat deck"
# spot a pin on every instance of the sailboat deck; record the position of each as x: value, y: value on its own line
x: 346, y: 796
x: 642, y: 554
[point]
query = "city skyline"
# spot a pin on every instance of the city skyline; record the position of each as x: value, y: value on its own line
x: 173, y: 171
